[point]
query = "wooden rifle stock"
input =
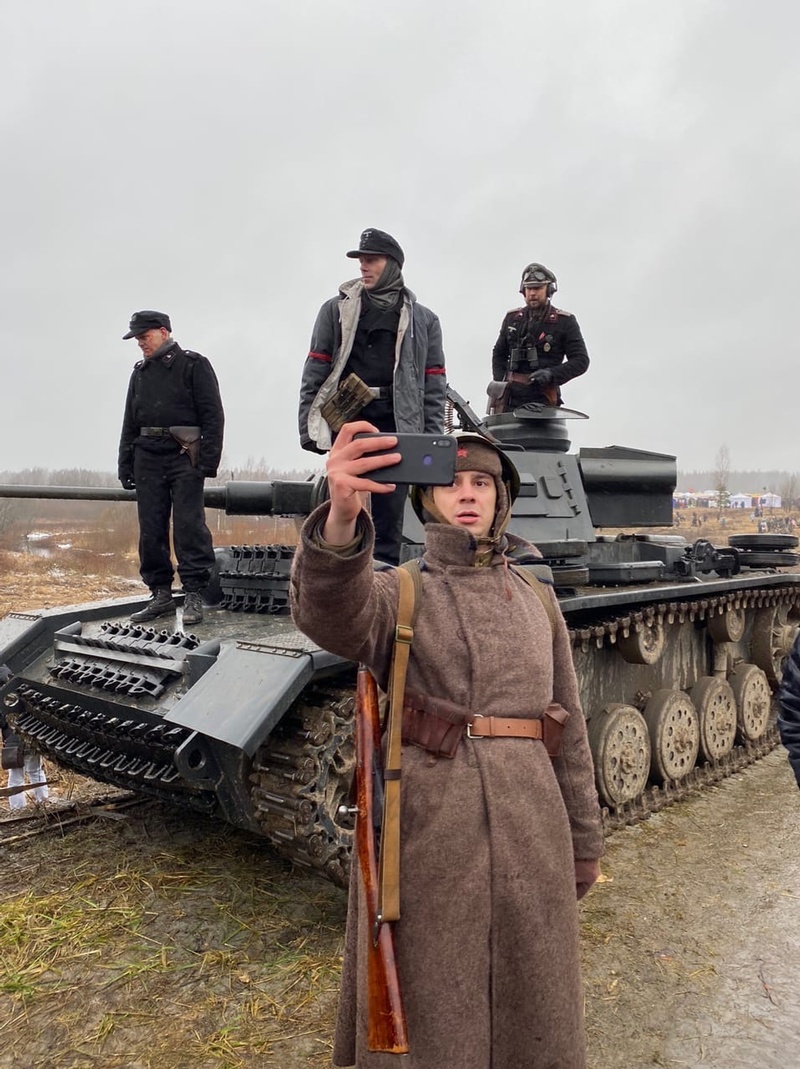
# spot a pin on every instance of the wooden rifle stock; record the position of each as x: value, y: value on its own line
x: 386, y: 1021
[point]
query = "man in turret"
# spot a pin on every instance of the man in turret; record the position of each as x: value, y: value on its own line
x: 540, y: 347
x: 171, y: 442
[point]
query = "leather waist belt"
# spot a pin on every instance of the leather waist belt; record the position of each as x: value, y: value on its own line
x: 504, y: 727
x: 517, y: 376
x: 438, y: 726
x: 380, y: 393
x: 162, y: 432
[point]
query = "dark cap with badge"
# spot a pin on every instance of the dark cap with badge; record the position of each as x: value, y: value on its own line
x: 141, y: 322
x: 377, y: 243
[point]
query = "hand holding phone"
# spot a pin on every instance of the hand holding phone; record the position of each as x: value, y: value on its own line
x: 425, y: 459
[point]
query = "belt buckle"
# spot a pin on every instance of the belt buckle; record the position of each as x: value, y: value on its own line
x: 478, y: 716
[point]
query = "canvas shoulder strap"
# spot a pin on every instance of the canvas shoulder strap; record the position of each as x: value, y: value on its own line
x: 538, y: 577
x: 389, y: 871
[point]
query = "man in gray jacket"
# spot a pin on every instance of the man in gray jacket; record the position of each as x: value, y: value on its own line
x: 374, y: 329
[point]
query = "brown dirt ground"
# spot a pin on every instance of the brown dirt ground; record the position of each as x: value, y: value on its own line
x: 149, y: 938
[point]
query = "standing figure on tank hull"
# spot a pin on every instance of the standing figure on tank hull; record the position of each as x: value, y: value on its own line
x: 171, y: 441
x: 540, y: 347
x: 376, y: 353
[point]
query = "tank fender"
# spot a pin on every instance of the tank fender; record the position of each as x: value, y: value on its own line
x: 241, y: 697
x: 18, y: 631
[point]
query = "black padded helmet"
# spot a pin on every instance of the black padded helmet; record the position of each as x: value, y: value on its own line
x: 536, y: 275
x: 505, y: 473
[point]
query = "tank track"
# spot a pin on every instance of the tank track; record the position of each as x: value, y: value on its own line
x: 705, y: 774
x: 658, y: 797
x: 302, y: 774
x: 669, y: 612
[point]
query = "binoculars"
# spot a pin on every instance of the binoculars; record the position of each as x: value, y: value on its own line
x: 524, y: 357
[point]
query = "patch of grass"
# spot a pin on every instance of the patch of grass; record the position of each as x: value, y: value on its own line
x: 166, y: 941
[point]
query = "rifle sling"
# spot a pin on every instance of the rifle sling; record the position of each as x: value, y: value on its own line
x: 389, y: 871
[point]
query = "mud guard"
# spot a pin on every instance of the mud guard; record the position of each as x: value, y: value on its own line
x: 240, y: 704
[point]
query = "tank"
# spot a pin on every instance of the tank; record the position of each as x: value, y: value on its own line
x: 678, y: 646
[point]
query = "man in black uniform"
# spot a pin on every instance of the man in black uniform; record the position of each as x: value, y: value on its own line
x: 171, y: 440
x: 540, y: 347
x: 374, y: 331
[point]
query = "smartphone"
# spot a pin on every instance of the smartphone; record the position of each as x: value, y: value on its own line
x: 425, y: 459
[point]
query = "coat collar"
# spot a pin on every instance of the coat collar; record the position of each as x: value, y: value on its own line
x: 447, y: 546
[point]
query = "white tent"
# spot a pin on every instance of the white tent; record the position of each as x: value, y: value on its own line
x: 741, y: 501
x: 770, y: 501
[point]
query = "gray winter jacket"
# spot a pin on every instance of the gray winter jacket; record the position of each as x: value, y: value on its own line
x: 418, y: 391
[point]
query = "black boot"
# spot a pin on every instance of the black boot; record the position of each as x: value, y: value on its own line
x: 161, y: 604
x: 193, y: 607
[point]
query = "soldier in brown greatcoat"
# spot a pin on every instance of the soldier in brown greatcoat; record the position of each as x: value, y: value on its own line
x: 498, y: 842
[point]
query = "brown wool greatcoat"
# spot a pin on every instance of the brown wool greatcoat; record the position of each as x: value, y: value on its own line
x: 487, y: 942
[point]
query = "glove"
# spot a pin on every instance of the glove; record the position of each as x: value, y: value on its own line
x: 311, y: 446
x: 542, y: 377
x: 127, y: 482
x: 586, y: 873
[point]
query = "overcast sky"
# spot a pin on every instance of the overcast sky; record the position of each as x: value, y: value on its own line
x: 216, y: 161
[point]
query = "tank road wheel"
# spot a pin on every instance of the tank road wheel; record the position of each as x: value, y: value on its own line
x: 621, y: 751
x: 672, y: 721
x: 774, y: 632
x: 716, y: 710
x: 727, y: 627
x: 753, y: 701
x: 643, y: 646
x: 764, y: 541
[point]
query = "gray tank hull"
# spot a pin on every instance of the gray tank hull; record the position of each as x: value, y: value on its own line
x: 678, y: 649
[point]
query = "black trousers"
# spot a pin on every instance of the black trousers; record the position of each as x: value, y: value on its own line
x: 387, y: 515
x: 167, y: 483
x: 387, y: 509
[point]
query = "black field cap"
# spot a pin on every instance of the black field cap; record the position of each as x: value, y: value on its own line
x: 377, y: 243
x: 147, y: 320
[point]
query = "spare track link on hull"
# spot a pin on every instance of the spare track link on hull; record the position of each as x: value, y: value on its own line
x: 111, y: 749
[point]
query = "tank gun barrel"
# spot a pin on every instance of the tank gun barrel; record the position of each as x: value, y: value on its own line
x: 278, y: 498
x: 69, y: 493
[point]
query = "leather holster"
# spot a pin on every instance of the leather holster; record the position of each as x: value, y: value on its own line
x: 555, y: 717
x: 498, y: 397
x: 433, y: 724
x: 188, y: 438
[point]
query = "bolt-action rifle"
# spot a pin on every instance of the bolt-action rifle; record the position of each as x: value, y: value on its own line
x: 386, y: 1022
